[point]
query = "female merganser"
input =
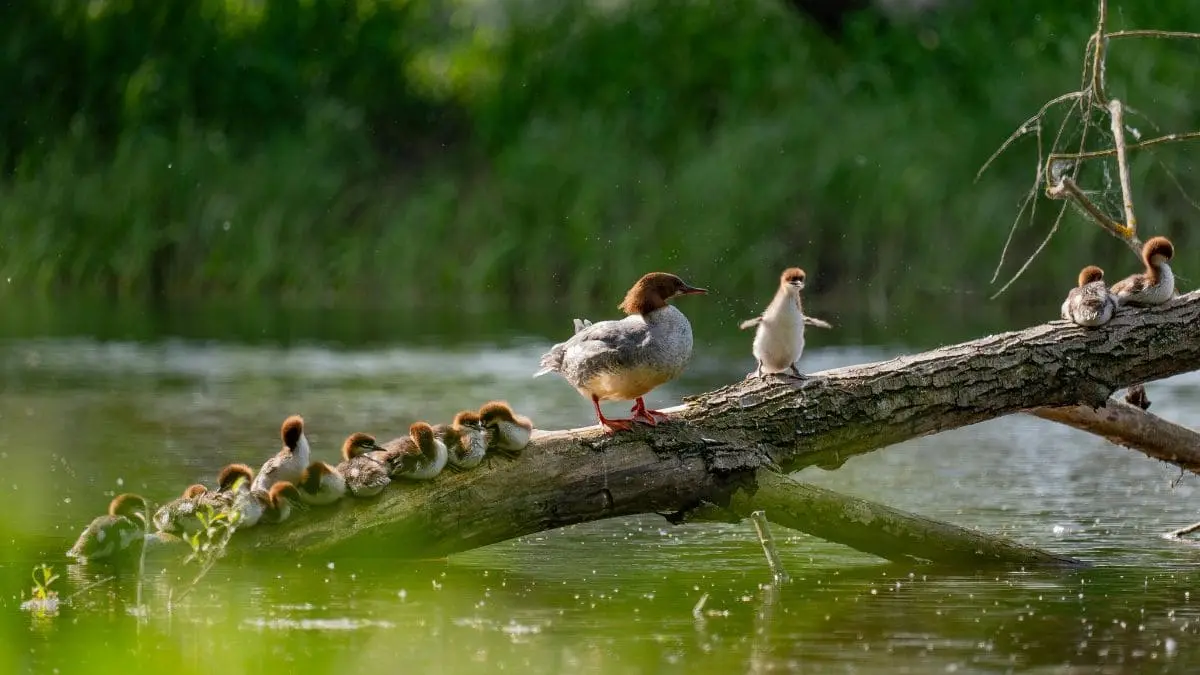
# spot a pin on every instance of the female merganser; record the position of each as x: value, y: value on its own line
x: 290, y: 462
x: 1154, y: 286
x: 507, y: 431
x: 1090, y: 303
x: 624, y: 360
x: 120, y: 531
x: 321, y: 484
x: 178, y: 516
x: 466, y: 442
x: 281, y: 500
x: 364, y: 467
x: 779, y: 340
x: 419, y: 456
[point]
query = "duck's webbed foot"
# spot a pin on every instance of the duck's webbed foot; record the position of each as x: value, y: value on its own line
x: 611, y: 426
x: 646, y: 416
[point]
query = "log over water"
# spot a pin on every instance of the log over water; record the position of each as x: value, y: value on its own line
x: 723, y: 441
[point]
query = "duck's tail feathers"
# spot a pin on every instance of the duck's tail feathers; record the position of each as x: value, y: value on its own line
x: 581, y: 324
x: 551, y: 361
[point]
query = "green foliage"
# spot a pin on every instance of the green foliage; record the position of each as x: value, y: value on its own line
x: 43, y: 601
x: 249, y: 148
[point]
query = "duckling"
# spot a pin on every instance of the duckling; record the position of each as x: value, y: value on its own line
x: 625, y: 359
x: 419, y: 456
x: 1156, y: 284
x: 178, y: 516
x: 1090, y: 303
x: 282, y: 499
x: 779, y: 338
x: 364, y: 467
x: 121, y: 531
x: 234, y: 479
x: 321, y: 484
x: 507, y: 431
x: 289, y: 462
x: 465, y: 440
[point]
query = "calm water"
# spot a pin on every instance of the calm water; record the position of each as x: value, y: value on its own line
x: 153, y: 405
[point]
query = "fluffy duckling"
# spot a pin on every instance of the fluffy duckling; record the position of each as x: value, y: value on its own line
x: 281, y: 500
x: 234, y: 479
x: 419, y: 456
x: 1156, y: 284
x: 465, y: 440
x: 507, y: 431
x: 1090, y: 303
x: 625, y: 359
x: 364, y: 467
x: 120, y: 531
x: 321, y: 484
x: 779, y: 338
x: 178, y: 516
x: 290, y: 461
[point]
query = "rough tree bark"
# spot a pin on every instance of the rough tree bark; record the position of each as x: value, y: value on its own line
x: 721, y: 440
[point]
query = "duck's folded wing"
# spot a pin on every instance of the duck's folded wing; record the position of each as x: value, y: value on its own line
x: 606, y: 343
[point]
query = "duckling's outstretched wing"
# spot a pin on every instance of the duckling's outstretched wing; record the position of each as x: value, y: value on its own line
x: 750, y: 323
x: 815, y: 322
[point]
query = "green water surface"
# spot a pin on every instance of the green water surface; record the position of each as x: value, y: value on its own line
x: 102, y: 401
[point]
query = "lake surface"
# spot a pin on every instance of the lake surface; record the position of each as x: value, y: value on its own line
x: 99, y: 403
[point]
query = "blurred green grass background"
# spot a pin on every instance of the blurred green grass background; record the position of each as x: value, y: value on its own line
x: 524, y: 154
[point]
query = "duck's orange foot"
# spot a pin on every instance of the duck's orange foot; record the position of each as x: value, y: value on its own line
x: 613, y: 426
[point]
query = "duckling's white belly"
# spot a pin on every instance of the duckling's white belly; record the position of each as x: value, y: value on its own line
x: 779, y: 341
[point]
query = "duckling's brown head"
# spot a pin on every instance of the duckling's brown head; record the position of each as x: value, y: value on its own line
x: 194, y: 490
x: 1089, y: 274
x: 792, y: 277
x: 356, y: 444
x: 128, y: 505
x: 310, y: 479
x: 291, y: 431
x: 422, y: 434
x: 283, y: 490
x: 231, y: 474
x: 1157, y: 251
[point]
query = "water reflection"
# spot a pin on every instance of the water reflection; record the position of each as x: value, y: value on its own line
x: 81, y: 419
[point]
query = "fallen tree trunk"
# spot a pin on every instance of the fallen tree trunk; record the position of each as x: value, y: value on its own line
x: 721, y: 439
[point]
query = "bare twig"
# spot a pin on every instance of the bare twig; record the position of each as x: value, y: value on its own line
x: 1167, y: 34
x: 1116, y: 115
x: 1068, y: 188
x: 1096, y: 154
x: 778, y: 573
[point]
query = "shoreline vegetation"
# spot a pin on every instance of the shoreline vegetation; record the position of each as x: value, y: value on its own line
x: 424, y: 152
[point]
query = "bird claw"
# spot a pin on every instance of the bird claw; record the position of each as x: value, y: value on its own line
x: 613, y: 426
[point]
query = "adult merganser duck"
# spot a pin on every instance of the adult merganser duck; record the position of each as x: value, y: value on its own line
x: 507, y: 432
x: 625, y: 359
x: 779, y: 340
x: 1090, y: 303
x: 122, y: 530
x: 1156, y: 284
x: 419, y: 456
x: 364, y: 467
x: 466, y: 442
x: 178, y: 516
x: 289, y: 462
x: 321, y: 484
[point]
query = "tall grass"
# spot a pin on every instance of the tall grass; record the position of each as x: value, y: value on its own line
x: 722, y: 140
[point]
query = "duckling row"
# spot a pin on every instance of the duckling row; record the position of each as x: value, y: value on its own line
x: 1092, y: 303
x: 289, y: 480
